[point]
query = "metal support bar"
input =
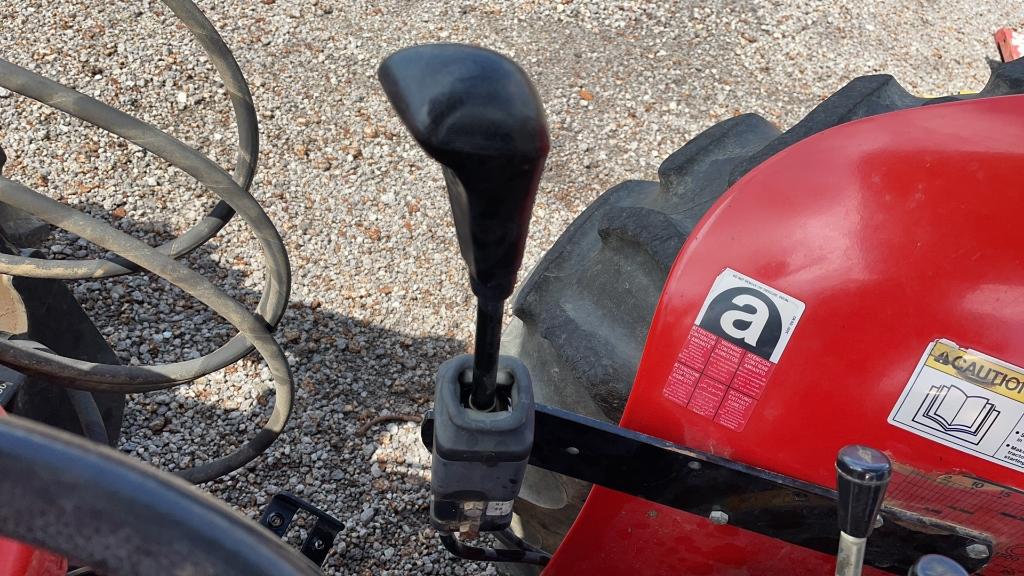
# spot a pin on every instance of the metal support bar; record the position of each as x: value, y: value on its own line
x: 750, y: 498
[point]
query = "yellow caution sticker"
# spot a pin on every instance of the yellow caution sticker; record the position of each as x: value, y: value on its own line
x: 977, y: 369
x: 966, y: 400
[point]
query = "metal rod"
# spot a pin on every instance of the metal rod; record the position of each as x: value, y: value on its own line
x: 469, y: 552
x: 850, y: 559
x: 485, y: 358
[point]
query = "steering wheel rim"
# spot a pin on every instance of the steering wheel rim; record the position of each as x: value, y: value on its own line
x: 101, y: 508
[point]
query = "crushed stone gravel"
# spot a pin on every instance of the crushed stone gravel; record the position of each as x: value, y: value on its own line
x: 380, y: 296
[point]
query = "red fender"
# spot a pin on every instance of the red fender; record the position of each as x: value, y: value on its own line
x: 894, y: 231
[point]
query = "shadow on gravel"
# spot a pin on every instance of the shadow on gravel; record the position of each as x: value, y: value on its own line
x: 337, y: 451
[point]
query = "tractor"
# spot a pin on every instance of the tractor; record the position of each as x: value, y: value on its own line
x: 799, y: 352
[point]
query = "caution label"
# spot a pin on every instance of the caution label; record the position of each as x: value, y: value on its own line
x: 732, y: 349
x: 966, y: 400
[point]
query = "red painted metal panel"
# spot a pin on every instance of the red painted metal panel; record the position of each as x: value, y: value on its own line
x: 17, y: 559
x: 895, y: 231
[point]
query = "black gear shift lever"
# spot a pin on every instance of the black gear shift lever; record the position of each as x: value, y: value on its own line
x: 477, y: 113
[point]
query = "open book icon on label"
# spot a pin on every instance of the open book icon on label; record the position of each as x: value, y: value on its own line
x: 950, y: 410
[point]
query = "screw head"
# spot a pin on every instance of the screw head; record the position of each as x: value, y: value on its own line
x: 718, y: 517
x: 693, y: 465
x: 977, y: 551
x: 275, y: 520
x: 318, y: 544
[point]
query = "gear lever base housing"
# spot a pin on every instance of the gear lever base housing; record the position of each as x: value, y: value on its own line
x: 479, y: 458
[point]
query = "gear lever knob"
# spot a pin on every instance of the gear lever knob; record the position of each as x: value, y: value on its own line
x: 862, y: 475
x: 477, y: 114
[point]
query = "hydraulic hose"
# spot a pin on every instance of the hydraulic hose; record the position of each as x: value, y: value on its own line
x: 254, y: 327
x: 109, y: 119
x: 129, y: 378
x: 250, y: 326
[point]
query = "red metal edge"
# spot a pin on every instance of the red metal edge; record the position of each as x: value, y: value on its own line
x: 1009, y: 44
x: 17, y: 559
x: 806, y: 223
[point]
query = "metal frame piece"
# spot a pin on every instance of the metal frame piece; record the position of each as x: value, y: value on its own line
x: 280, y: 512
x: 729, y: 492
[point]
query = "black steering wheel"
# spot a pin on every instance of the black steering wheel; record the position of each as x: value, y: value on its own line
x: 100, y: 508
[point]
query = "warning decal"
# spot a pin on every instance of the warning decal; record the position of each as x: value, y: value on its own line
x: 966, y: 400
x: 738, y: 337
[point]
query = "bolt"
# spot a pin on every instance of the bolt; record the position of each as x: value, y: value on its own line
x: 276, y: 520
x: 693, y: 465
x: 718, y: 517
x: 318, y: 544
x: 977, y: 551
x: 878, y: 522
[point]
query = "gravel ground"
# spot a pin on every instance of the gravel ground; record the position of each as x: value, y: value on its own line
x: 380, y: 296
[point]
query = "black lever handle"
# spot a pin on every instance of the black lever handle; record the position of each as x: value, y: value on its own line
x: 476, y: 113
x: 862, y: 475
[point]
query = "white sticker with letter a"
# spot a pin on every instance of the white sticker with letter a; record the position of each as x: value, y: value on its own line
x: 723, y: 368
x: 749, y: 314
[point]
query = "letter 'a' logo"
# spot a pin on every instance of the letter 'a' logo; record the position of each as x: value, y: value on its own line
x: 746, y: 317
x: 750, y: 314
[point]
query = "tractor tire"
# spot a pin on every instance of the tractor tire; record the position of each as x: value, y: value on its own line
x: 582, y: 315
